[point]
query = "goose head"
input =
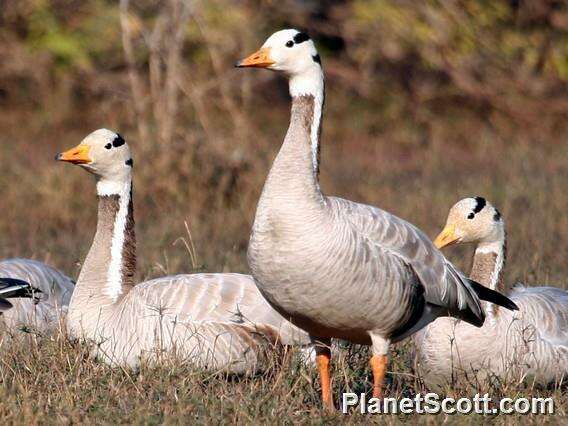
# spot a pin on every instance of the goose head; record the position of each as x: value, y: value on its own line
x: 106, y: 155
x: 472, y: 220
x: 289, y: 51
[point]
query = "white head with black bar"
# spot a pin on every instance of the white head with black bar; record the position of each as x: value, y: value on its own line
x: 293, y: 53
x: 472, y: 220
x: 105, y: 154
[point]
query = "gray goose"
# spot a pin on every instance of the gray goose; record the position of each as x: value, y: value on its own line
x: 531, y: 344
x: 41, y: 303
x: 336, y: 268
x: 13, y: 288
x: 51, y: 295
x: 218, y: 322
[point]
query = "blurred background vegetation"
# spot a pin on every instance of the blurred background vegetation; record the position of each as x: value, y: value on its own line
x: 428, y: 102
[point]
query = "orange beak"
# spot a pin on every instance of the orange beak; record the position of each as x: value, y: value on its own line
x: 259, y: 59
x: 447, y: 237
x: 77, y: 155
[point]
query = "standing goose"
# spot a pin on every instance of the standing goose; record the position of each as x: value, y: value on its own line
x: 532, y: 343
x: 44, y: 311
x: 218, y: 321
x: 336, y: 268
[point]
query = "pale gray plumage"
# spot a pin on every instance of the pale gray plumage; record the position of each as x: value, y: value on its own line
x: 531, y: 344
x: 43, y: 313
x: 215, y: 321
x: 310, y: 254
x: 340, y: 269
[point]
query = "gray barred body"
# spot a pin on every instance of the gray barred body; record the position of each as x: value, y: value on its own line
x: 218, y: 322
x: 341, y: 269
x: 530, y: 344
x: 215, y: 321
x: 45, y: 311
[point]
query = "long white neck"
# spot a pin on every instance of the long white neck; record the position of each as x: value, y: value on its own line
x: 118, y: 269
x: 108, y: 271
x: 311, y: 82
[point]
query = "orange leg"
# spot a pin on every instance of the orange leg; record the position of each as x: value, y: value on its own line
x: 323, y: 357
x: 379, y: 368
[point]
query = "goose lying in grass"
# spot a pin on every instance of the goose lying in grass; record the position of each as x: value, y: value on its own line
x: 45, y: 310
x: 52, y: 289
x: 217, y: 321
x: 336, y: 268
x: 529, y: 344
x: 12, y: 288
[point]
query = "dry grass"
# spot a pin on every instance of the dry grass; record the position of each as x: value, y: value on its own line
x: 52, y: 381
x: 49, y: 213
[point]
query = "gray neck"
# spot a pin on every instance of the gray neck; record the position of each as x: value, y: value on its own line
x: 108, y: 272
x: 310, y: 83
x: 294, y: 174
x: 489, y: 266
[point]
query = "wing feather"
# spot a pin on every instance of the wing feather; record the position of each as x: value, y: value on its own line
x: 444, y: 285
x: 547, y: 309
x: 231, y: 299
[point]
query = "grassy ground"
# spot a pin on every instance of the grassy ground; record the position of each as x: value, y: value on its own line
x: 208, y: 182
x: 49, y: 214
x: 51, y: 381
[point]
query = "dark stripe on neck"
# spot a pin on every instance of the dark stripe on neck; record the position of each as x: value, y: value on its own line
x: 109, y: 207
x: 129, y: 249
x: 485, y: 264
x: 320, y: 127
x: 304, y: 106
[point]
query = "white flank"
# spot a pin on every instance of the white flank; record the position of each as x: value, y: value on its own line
x: 113, y: 287
x: 311, y: 83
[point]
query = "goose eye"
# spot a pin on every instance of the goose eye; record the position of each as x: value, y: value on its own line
x: 289, y: 43
x: 470, y: 216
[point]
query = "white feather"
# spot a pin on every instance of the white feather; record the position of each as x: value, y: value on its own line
x: 114, y: 279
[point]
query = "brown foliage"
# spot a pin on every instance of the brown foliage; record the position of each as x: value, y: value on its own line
x: 426, y: 104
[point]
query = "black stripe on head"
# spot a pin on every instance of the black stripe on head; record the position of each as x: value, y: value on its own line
x: 118, y: 141
x: 301, y: 37
x: 497, y: 216
x: 316, y: 58
x: 479, y: 204
x: 129, y: 162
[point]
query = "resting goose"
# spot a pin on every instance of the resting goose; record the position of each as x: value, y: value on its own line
x: 53, y: 292
x: 13, y: 288
x: 336, y: 268
x: 531, y: 343
x: 217, y: 321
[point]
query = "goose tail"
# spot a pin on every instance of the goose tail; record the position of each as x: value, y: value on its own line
x: 14, y: 288
x: 492, y: 296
